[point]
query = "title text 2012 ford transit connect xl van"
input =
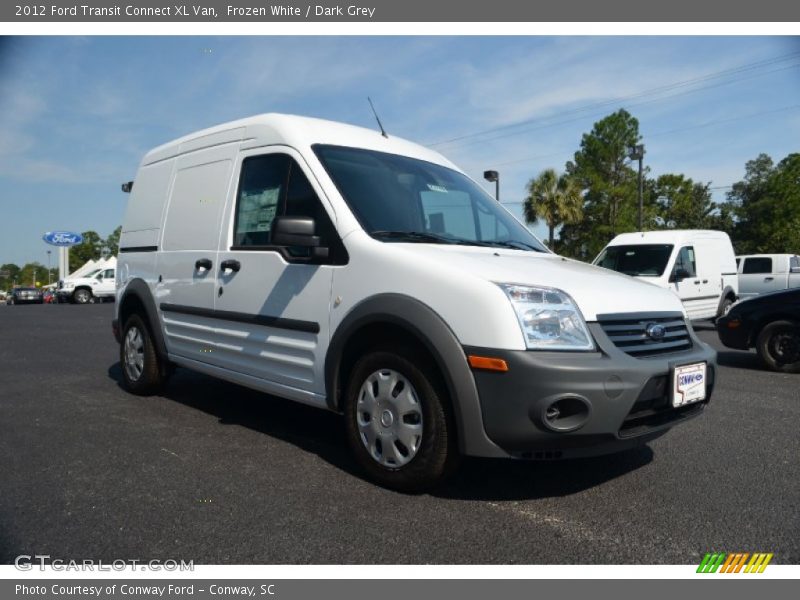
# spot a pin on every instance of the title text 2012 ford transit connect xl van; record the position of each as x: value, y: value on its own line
x: 367, y: 275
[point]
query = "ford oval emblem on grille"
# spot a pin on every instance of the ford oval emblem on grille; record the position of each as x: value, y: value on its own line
x: 655, y: 331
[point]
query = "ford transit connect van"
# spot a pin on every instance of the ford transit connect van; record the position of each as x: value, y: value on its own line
x: 698, y: 265
x: 367, y: 275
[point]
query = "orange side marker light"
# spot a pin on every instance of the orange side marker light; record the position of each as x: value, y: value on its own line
x: 487, y: 364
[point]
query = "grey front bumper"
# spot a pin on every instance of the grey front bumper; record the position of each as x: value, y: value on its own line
x: 629, y: 399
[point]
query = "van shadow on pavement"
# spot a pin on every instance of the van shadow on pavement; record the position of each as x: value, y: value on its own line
x: 322, y: 432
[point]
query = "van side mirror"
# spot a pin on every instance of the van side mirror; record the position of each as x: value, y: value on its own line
x: 794, y: 270
x: 297, y: 232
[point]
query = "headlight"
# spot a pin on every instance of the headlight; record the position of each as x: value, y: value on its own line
x: 69, y: 284
x: 549, y: 318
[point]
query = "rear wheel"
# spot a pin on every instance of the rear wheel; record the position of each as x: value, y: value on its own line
x: 778, y: 345
x: 142, y: 372
x: 398, y: 425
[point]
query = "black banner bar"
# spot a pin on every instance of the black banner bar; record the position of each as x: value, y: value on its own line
x: 398, y: 589
x: 465, y: 11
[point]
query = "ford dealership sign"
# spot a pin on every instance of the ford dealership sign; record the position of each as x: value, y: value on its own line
x: 62, y: 238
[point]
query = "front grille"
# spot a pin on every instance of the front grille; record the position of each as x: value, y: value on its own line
x: 630, y: 334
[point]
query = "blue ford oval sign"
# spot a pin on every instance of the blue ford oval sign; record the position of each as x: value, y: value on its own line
x: 62, y: 238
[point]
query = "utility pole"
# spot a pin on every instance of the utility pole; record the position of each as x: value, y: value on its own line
x: 637, y: 153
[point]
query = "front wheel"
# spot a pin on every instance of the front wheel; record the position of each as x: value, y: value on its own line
x: 398, y: 425
x: 82, y: 296
x: 778, y: 345
x: 725, y: 308
x: 141, y: 367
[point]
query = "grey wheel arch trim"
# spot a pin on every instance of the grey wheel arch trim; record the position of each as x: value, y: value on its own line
x: 426, y: 325
x: 139, y: 289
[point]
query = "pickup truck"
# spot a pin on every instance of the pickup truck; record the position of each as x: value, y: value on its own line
x: 97, y: 286
x: 762, y: 273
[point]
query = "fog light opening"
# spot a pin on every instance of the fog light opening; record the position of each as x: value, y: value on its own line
x: 567, y: 413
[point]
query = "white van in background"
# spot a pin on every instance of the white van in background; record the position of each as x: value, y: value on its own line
x: 698, y: 265
x: 762, y: 273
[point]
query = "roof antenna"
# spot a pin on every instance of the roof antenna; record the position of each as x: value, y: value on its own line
x: 374, y: 112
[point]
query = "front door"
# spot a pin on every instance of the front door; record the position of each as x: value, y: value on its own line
x: 686, y: 283
x: 272, y: 303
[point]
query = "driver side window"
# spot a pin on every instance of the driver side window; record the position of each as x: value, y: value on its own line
x: 686, y: 261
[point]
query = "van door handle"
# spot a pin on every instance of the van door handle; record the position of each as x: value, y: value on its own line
x: 768, y: 278
x: 705, y: 280
x: 203, y: 263
x: 697, y: 282
x: 230, y: 264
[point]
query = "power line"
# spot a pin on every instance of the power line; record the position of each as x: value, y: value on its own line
x: 666, y: 132
x: 581, y: 117
x: 650, y: 92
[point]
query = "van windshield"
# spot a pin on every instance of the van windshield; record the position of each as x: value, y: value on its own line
x: 645, y: 260
x: 401, y: 199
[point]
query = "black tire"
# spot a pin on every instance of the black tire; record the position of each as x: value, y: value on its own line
x: 150, y: 377
x: 778, y: 345
x: 725, y: 307
x: 437, y: 452
x: 82, y: 296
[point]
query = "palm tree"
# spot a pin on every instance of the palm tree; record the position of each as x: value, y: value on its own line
x: 554, y: 199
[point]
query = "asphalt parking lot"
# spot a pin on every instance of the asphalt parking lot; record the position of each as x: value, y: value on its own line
x: 216, y: 473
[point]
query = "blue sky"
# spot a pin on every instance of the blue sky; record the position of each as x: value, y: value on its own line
x: 77, y: 113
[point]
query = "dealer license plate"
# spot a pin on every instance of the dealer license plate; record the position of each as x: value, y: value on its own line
x: 689, y: 384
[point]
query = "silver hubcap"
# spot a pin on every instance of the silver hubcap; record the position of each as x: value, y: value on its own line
x: 389, y: 417
x: 134, y: 353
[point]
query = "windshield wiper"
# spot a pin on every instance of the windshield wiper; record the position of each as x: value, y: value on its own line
x: 515, y: 244
x: 411, y: 236
x: 425, y: 237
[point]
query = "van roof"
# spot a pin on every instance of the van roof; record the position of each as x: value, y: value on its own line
x: 295, y: 131
x: 670, y: 236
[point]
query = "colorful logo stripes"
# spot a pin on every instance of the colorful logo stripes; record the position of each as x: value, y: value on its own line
x: 734, y: 562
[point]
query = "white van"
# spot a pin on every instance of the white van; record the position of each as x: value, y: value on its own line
x: 698, y: 265
x: 367, y: 275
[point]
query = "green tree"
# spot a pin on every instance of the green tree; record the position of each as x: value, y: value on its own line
x: 766, y: 206
x: 8, y: 273
x: 112, y: 241
x: 554, y: 199
x: 90, y: 249
x: 31, y: 274
x: 684, y: 202
x: 601, y: 167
